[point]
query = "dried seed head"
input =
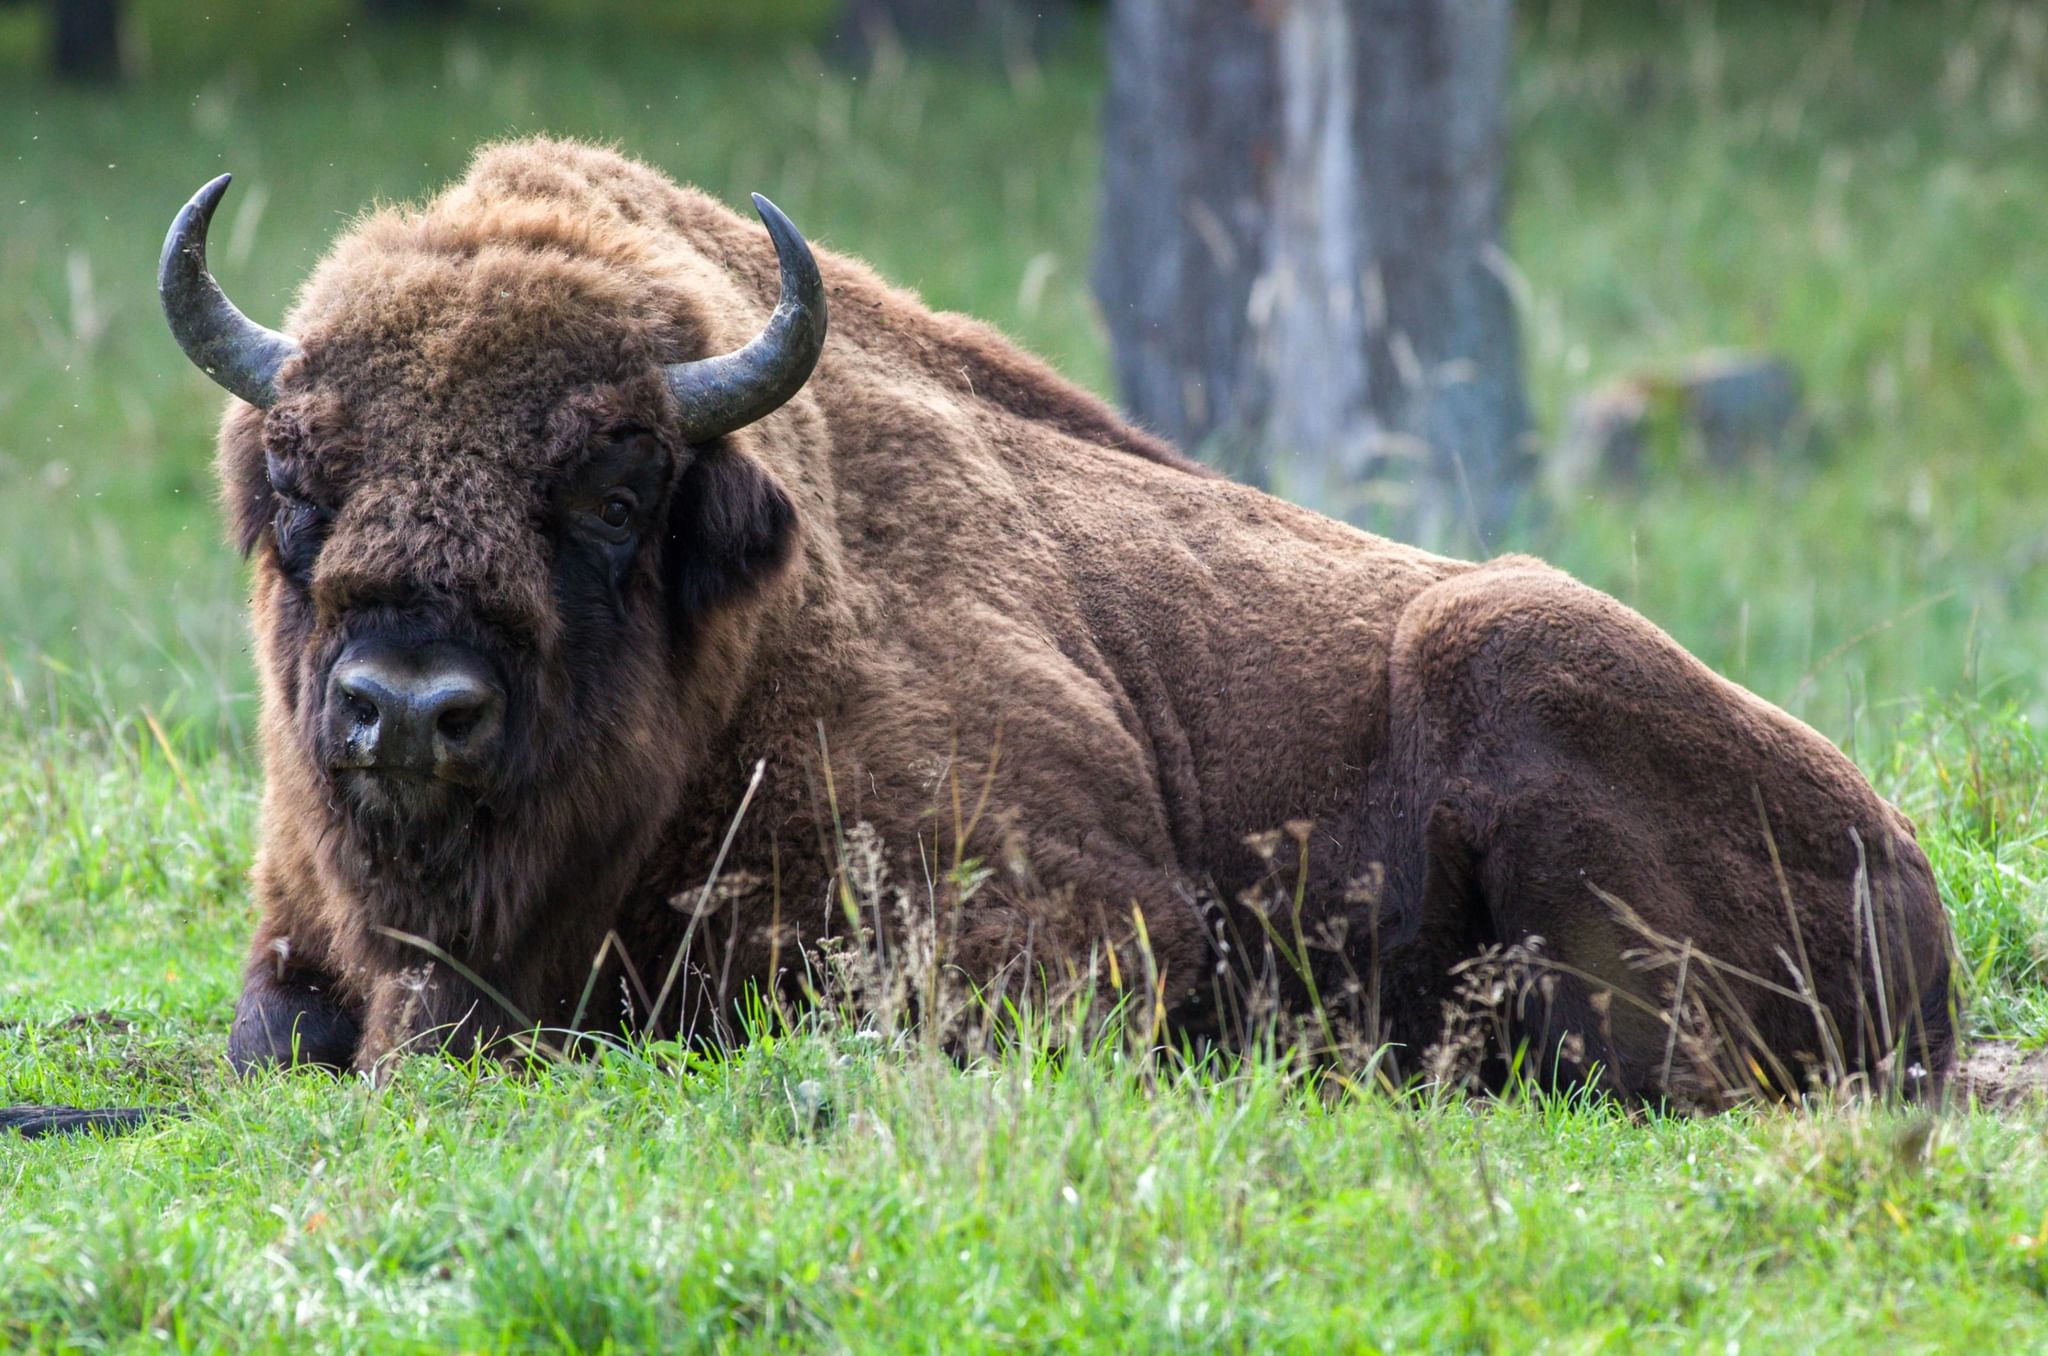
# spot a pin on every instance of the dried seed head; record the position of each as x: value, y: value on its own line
x: 1367, y: 887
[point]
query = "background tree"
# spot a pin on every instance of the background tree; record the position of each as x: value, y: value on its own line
x: 1002, y: 29
x: 85, y: 39
x: 408, y: 9
x: 1299, y: 251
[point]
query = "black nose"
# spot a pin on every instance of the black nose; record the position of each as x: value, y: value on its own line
x: 433, y: 710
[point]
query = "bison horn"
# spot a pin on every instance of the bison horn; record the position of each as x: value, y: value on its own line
x: 718, y: 395
x: 234, y: 350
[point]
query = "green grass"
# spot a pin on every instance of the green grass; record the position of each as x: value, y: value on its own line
x: 896, y: 1203
x: 1857, y: 187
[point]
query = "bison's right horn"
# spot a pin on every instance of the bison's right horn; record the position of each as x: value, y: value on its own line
x: 721, y: 394
x: 225, y: 344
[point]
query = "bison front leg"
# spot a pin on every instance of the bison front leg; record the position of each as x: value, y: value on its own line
x: 427, y: 1007
x: 291, y: 1014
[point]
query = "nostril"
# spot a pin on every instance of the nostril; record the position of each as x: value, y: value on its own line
x: 456, y: 723
x: 361, y: 703
x: 463, y: 715
x: 364, y: 694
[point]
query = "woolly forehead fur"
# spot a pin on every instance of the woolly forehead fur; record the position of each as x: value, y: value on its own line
x: 461, y: 327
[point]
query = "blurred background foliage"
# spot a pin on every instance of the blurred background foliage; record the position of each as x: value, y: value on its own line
x: 1856, y: 187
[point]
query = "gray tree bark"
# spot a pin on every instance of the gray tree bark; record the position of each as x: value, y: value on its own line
x: 411, y: 9
x: 1299, y: 260
x: 999, y: 30
x: 85, y: 39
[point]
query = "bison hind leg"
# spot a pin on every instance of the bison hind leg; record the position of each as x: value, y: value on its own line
x: 1710, y: 878
x: 1542, y: 997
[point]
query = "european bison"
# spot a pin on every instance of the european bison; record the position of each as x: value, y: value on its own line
x: 587, y: 565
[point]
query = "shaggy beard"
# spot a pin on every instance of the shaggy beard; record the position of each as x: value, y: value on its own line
x: 411, y: 817
x: 474, y: 873
x: 415, y: 850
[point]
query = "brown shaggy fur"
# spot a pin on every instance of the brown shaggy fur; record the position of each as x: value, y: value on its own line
x: 944, y: 594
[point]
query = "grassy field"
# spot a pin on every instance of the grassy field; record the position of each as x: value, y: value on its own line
x: 1856, y: 186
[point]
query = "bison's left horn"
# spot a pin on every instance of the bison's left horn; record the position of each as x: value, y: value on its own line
x: 721, y: 394
x: 228, y: 346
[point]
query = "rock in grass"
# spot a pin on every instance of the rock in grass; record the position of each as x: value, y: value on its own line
x: 1722, y: 410
x: 1606, y: 436
x: 1741, y: 407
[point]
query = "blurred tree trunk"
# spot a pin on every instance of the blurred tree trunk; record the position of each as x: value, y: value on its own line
x: 1299, y: 255
x: 405, y: 9
x: 1004, y: 30
x: 85, y: 39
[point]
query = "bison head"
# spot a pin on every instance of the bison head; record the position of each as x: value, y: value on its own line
x: 493, y: 502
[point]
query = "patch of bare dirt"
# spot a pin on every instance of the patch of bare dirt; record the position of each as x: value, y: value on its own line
x: 103, y: 1020
x: 2000, y: 1073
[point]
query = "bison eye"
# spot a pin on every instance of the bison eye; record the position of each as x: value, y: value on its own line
x: 299, y: 528
x: 617, y: 512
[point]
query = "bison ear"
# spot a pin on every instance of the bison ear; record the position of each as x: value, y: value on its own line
x: 731, y: 528
x: 244, y: 483
x: 250, y: 510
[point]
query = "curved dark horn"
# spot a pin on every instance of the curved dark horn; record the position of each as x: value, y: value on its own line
x: 721, y: 394
x: 225, y: 344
